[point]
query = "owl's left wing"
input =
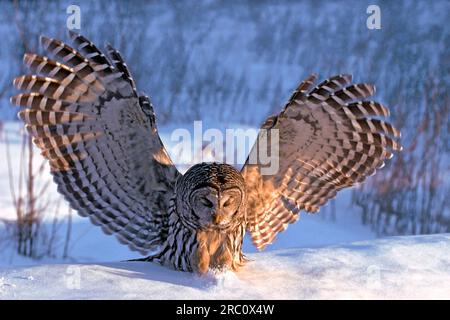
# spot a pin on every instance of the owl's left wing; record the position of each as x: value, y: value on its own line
x: 100, y: 138
x: 330, y: 138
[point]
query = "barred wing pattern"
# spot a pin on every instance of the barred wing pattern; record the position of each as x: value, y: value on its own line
x: 100, y: 138
x: 329, y: 139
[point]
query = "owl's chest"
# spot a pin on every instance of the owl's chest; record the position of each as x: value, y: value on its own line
x: 214, y: 250
x: 189, y: 248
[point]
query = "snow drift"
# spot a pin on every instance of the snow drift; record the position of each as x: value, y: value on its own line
x: 391, y: 268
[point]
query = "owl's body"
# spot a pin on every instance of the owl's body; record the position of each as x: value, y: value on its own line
x: 100, y: 137
x: 214, y: 240
x: 193, y: 250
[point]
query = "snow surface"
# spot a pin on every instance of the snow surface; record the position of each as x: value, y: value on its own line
x: 402, y: 267
x: 414, y: 267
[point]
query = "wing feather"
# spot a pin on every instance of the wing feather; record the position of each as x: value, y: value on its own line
x: 330, y: 138
x: 101, y: 141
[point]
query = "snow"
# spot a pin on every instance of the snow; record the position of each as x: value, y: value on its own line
x: 413, y: 267
x: 331, y: 255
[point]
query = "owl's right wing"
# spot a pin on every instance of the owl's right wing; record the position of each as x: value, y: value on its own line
x: 330, y: 138
x: 100, y: 138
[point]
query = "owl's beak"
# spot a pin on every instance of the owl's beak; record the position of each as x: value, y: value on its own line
x: 218, y: 218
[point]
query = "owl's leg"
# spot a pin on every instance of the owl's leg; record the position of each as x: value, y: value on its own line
x: 218, y: 250
x: 203, y: 259
x: 223, y: 260
x: 210, y: 251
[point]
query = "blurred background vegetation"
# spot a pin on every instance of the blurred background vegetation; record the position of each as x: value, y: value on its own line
x: 235, y: 62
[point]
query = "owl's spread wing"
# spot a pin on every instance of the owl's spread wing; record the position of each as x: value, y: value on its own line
x: 100, y: 138
x: 330, y: 138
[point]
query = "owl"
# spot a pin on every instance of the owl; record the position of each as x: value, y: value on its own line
x: 82, y: 109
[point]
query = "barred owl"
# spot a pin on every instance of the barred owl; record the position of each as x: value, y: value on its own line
x: 100, y: 137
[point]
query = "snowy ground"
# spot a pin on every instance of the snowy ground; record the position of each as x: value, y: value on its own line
x: 328, y: 255
x: 392, y: 268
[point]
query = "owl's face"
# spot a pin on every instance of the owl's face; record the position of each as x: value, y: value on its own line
x: 216, y: 208
x: 211, y: 196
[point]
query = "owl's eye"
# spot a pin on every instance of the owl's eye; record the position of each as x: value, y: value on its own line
x: 206, y: 203
x: 228, y: 202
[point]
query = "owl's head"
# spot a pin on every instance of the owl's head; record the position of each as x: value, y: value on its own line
x: 211, y: 196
